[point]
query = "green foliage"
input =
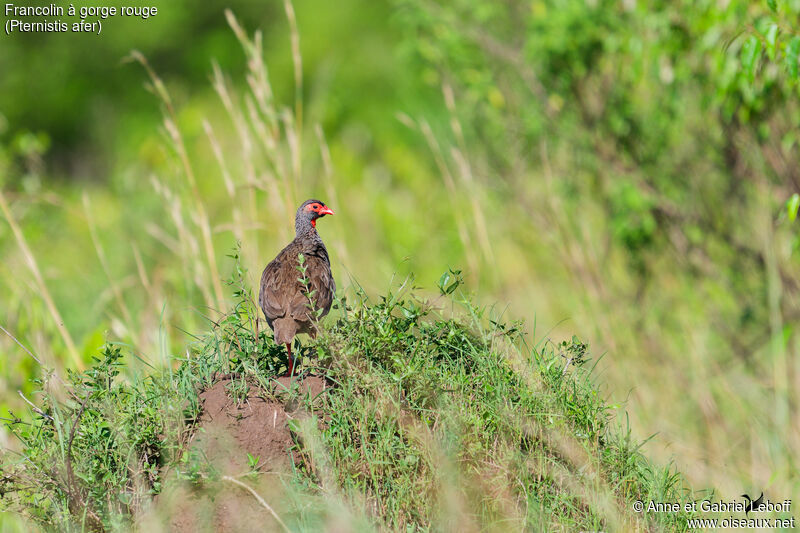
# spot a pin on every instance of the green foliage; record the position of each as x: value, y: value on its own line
x: 792, y: 51
x: 779, y: 35
x: 654, y: 144
x: 310, y: 293
x: 421, y: 401
x: 424, y: 402
x: 238, y: 390
x: 91, y: 459
x: 89, y: 72
x: 631, y: 161
x: 751, y: 51
x: 449, y: 281
x: 792, y: 204
x: 253, y: 464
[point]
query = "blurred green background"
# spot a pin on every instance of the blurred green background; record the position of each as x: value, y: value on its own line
x: 617, y: 170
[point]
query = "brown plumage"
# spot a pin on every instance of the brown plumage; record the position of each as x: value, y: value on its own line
x: 282, y: 296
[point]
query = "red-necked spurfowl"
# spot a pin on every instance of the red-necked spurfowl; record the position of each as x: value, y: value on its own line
x: 282, y: 296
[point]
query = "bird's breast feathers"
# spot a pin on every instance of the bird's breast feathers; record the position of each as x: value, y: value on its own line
x: 282, y: 292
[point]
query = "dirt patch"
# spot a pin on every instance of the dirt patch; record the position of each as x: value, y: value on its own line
x: 238, y: 418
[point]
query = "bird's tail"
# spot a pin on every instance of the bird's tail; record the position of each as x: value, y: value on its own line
x: 285, y: 330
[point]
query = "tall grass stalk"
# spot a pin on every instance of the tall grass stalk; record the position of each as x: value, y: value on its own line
x: 44, y: 293
x: 171, y: 125
x: 447, y: 177
x: 130, y: 325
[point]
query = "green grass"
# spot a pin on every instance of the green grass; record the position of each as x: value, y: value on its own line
x: 439, y: 413
x: 598, y: 216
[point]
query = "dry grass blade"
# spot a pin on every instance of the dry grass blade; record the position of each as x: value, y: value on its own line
x: 297, y: 60
x: 148, y: 286
x: 260, y: 500
x: 459, y: 155
x: 330, y: 190
x: 450, y: 183
x: 101, y: 255
x: 171, y: 125
x: 13, y: 338
x: 271, y: 128
x: 238, y: 223
x: 33, y: 407
x: 43, y: 292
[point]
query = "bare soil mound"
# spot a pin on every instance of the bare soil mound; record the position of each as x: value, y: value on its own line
x: 238, y: 419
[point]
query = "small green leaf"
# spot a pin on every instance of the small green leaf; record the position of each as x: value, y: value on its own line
x: 750, y: 52
x: 445, y: 285
x: 792, y: 205
x: 444, y: 281
x: 771, y: 36
x: 773, y: 5
x: 792, y: 52
x: 293, y: 425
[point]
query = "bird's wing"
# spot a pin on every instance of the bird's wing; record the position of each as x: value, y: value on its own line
x: 321, y: 281
x: 271, y: 297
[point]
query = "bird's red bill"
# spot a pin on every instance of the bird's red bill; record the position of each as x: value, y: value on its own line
x: 326, y: 211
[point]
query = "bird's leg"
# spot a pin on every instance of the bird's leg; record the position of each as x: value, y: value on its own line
x: 291, y: 359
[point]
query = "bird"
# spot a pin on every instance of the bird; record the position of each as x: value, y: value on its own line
x: 753, y: 505
x: 284, y: 299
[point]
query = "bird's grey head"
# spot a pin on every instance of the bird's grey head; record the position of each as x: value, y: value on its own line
x: 308, y: 213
